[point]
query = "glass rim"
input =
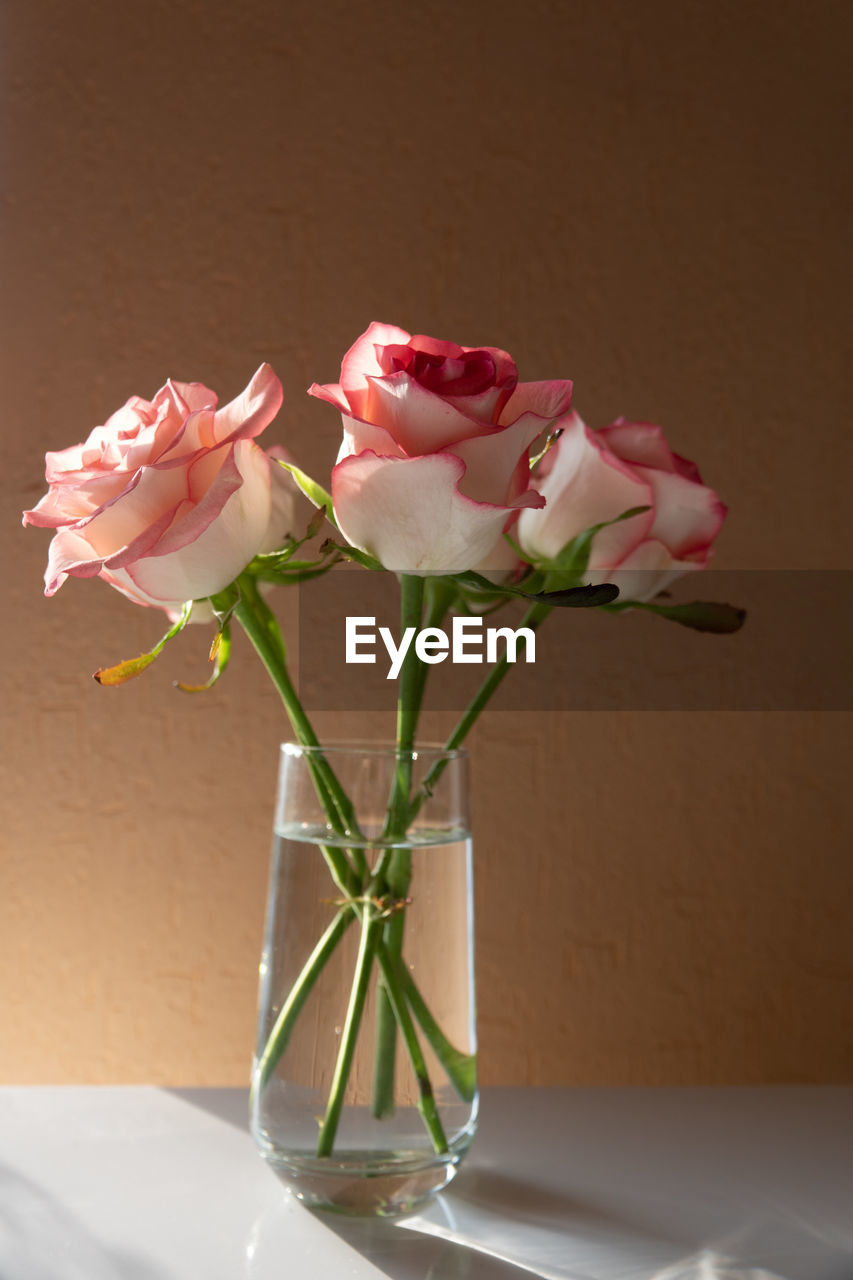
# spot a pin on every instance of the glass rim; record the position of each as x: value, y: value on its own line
x: 389, y: 750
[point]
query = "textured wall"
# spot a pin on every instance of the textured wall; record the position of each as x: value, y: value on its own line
x: 652, y: 199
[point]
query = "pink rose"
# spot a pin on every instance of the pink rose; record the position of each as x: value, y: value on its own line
x: 171, y: 498
x: 434, y: 461
x: 592, y: 476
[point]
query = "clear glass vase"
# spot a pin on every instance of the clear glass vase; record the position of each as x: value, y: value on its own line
x: 364, y: 1093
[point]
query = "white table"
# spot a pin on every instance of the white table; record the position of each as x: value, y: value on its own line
x: 580, y: 1184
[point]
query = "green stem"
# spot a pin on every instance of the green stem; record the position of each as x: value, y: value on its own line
x: 426, y: 1098
x: 280, y: 1035
x: 409, y: 696
x: 260, y: 625
x: 461, y: 1067
x: 371, y: 946
x: 391, y: 875
x: 385, y: 1056
x: 371, y: 930
x: 535, y: 616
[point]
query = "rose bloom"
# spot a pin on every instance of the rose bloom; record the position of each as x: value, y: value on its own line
x: 588, y: 477
x: 171, y: 498
x: 434, y: 463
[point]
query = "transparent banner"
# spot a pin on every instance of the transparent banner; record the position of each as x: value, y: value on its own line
x: 792, y: 654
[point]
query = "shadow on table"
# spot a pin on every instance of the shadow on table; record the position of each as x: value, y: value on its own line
x: 560, y: 1237
x: 491, y: 1226
x: 41, y: 1240
x: 412, y: 1255
x: 230, y: 1105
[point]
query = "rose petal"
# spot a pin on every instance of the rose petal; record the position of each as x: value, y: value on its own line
x: 646, y: 571
x: 686, y: 468
x: 410, y: 514
x: 206, y: 562
x: 174, y: 433
x: 332, y: 393
x: 187, y: 397
x: 245, y: 417
x: 120, y: 580
x: 439, y: 347
x: 69, y: 555
x: 504, y: 370
x: 283, y: 493
x: 70, y: 503
x: 102, y: 449
x: 175, y: 402
x: 549, y: 399
x: 419, y: 421
x: 688, y: 516
x: 487, y: 406
x: 586, y: 485
x: 221, y: 473
x: 137, y: 518
x: 476, y: 380
x: 251, y: 412
x: 360, y: 436
x: 361, y: 362
x: 491, y: 461
x: 643, y: 443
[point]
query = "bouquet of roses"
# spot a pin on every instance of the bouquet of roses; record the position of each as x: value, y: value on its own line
x: 472, y: 487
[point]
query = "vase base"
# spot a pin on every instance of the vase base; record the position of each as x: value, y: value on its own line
x: 373, y: 1187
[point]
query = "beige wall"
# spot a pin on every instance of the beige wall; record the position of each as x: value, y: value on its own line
x: 652, y: 199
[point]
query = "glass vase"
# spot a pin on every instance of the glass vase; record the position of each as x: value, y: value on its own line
x: 364, y: 1093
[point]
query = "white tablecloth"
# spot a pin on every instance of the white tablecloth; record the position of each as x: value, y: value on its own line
x: 567, y: 1184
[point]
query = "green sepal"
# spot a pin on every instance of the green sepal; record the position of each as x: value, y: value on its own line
x: 557, y: 581
x: 355, y: 554
x: 574, y: 597
x: 573, y: 559
x: 281, y: 564
x: 550, y: 440
x: 314, y: 492
x: 587, y: 596
x: 315, y: 524
x: 282, y: 568
x: 224, y: 603
x: 220, y: 652
x: 270, y: 565
x: 281, y: 555
x: 131, y: 667
x: 293, y: 574
x: 461, y: 1068
x: 701, y: 615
